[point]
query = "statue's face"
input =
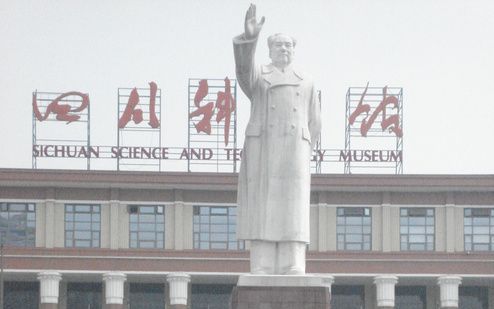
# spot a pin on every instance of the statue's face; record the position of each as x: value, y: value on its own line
x: 281, y: 50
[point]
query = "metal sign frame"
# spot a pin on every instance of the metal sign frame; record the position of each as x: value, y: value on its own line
x: 373, y: 97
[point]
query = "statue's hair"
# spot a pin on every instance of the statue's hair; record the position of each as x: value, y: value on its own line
x: 273, y: 36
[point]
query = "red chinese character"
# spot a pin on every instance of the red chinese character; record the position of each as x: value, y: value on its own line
x: 204, y: 125
x: 392, y: 123
x: 135, y: 114
x: 225, y: 104
x: 61, y: 110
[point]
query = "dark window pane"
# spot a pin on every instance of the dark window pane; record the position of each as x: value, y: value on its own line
x: 473, y: 297
x: 19, y: 294
x: 84, y: 295
x: 211, y: 296
x: 347, y: 297
x: 146, y: 295
x: 410, y: 297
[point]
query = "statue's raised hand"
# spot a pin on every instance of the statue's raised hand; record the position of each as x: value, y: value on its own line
x: 252, y: 27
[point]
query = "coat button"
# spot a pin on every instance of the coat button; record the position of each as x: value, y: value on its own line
x: 273, y: 107
x: 294, y: 109
x: 298, y: 93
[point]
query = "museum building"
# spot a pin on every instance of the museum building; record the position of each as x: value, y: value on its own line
x: 76, y: 239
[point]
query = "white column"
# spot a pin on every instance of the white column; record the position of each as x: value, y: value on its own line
x: 385, y: 290
x: 114, y: 224
x: 114, y: 287
x: 179, y: 225
x: 178, y: 284
x: 49, y: 223
x: 449, y: 291
x: 49, y: 286
x: 386, y: 228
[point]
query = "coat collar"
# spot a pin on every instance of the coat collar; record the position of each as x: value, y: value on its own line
x: 275, y: 77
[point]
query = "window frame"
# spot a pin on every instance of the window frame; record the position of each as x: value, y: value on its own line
x: 413, y: 214
x: 470, y: 214
x: 343, y: 213
x: 199, y: 230
x: 92, y: 214
x: 29, y: 208
x: 158, y: 210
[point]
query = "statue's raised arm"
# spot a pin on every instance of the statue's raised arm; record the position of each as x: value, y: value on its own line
x: 252, y: 27
x: 244, y: 46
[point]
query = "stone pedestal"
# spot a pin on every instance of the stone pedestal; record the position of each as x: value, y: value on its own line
x: 113, y: 306
x: 282, y: 292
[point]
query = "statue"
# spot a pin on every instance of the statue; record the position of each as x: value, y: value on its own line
x: 274, y: 179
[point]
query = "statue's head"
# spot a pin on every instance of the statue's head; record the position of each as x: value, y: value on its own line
x: 281, y: 49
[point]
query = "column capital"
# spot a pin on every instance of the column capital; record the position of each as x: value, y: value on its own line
x: 327, y: 281
x: 178, y: 283
x: 114, y: 287
x: 385, y: 290
x: 449, y: 290
x: 49, y: 286
x: 49, y: 275
x: 449, y: 280
x: 385, y: 279
x: 114, y: 275
x: 172, y: 277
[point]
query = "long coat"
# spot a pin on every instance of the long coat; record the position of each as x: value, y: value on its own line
x: 274, y: 180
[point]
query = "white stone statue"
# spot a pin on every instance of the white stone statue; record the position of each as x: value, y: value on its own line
x: 274, y: 179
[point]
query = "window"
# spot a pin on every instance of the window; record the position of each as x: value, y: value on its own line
x: 353, y: 228
x: 21, y: 294
x: 84, y: 295
x: 18, y: 224
x: 147, y: 295
x: 215, y: 228
x: 347, y: 297
x: 147, y: 226
x: 212, y: 296
x: 82, y: 225
x: 473, y: 297
x: 417, y: 229
x: 479, y: 229
x: 407, y: 297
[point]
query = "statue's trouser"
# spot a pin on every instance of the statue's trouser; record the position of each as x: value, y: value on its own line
x: 282, y: 258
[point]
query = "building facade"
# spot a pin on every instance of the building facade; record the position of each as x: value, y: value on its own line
x: 100, y: 239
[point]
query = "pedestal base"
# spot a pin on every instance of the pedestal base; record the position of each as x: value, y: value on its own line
x: 114, y: 306
x: 281, y: 292
x: 249, y: 297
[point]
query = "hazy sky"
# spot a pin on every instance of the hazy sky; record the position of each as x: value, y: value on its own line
x: 440, y: 52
